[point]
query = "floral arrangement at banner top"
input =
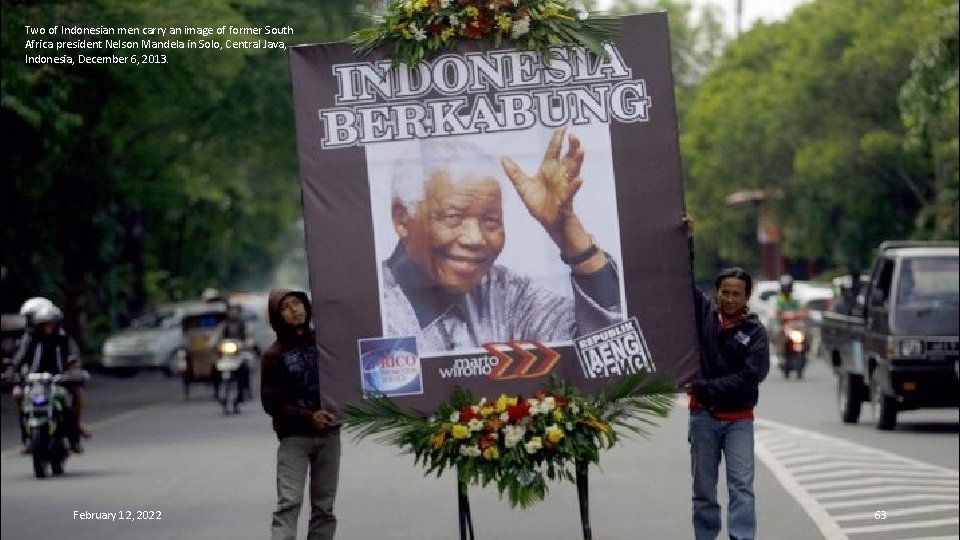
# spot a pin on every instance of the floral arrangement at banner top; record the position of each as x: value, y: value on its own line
x: 518, y: 443
x: 419, y: 29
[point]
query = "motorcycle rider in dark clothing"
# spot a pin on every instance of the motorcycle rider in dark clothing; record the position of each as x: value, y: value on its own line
x: 46, y: 348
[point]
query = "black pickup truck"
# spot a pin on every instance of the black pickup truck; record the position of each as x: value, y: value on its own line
x: 895, y: 343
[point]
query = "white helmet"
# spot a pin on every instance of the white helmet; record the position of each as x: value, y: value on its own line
x: 31, y: 306
x: 47, y: 314
x: 210, y: 294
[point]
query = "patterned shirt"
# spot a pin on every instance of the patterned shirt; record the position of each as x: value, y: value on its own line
x: 503, y: 306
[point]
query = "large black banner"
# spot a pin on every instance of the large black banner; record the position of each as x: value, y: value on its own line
x: 488, y: 218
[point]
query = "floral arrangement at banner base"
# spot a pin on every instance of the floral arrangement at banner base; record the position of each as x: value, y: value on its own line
x: 419, y: 29
x: 515, y: 442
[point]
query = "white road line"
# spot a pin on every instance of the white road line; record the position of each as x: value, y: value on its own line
x: 826, y: 475
x: 900, y: 526
x: 819, y: 515
x: 888, y: 500
x: 901, y: 512
x: 818, y: 486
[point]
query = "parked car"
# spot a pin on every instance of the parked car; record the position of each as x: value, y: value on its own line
x: 150, y: 342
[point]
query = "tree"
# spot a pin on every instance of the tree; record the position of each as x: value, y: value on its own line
x: 808, y: 108
x: 125, y: 185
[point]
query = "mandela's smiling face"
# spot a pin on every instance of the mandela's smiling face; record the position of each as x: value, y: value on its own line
x: 456, y: 232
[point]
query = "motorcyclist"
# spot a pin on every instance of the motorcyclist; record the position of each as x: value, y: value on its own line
x: 27, y: 311
x: 235, y: 328
x: 46, y: 348
x: 788, y: 308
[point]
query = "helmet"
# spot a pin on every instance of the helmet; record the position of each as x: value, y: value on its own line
x: 210, y: 294
x: 786, y: 283
x: 32, y: 305
x: 47, y: 314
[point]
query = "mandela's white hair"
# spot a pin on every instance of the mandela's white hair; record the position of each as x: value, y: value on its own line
x: 461, y: 158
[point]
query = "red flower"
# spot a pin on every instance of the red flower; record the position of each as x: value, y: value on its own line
x: 477, y: 27
x: 561, y: 401
x: 467, y: 414
x: 434, y: 28
x: 518, y: 411
x: 539, y: 395
x: 487, y: 441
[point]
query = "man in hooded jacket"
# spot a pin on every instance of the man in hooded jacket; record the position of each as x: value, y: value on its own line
x: 309, y: 436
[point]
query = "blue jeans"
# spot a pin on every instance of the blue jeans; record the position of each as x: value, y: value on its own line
x: 321, y: 454
x: 709, y: 438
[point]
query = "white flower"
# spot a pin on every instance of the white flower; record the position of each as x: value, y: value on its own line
x: 583, y: 15
x: 419, y: 34
x: 569, y: 426
x: 533, y: 445
x: 454, y: 20
x: 505, y: 416
x: 574, y: 408
x: 475, y: 424
x: 520, y: 27
x: 444, y: 4
x: 515, y: 2
x: 469, y: 451
x: 455, y: 416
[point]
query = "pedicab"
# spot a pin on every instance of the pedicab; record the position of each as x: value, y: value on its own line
x: 197, y: 360
x: 212, y: 356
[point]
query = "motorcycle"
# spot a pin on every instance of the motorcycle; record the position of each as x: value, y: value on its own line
x: 234, y: 369
x: 46, y: 415
x: 794, y: 344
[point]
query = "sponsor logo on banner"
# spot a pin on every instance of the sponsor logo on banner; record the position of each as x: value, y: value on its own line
x: 465, y: 367
x: 521, y: 359
x: 390, y: 366
x: 614, y: 351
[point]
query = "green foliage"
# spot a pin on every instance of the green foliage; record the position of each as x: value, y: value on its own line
x: 809, y: 110
x: 420, y: 29
x: 126, y: 186
x: 518, y: 444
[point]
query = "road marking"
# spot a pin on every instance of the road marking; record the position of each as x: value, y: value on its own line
x: 841, y: 485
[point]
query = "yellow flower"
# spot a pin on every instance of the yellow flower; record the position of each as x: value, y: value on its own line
x: 446, y: 34
x: 504, y: 21
x: 460, y: 431
x: 471, y: 11
x: 492, y: 452
x: 487, y: 410
x: 558, y: 415
x: 420, y: 4
x: 554, y: 433
x: 505, y: 401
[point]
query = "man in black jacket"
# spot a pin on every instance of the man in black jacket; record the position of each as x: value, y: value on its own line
x: 734, y: 359
x: 309, y: 436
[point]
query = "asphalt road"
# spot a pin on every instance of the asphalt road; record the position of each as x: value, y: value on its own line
x: 207, y: 476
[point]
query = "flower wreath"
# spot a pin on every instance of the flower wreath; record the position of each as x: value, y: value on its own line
x: 514, y: 442
x: 419, y: 29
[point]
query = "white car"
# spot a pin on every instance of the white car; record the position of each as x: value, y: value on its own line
x: 151, y: 342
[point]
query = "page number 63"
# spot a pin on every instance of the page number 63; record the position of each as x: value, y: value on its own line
x: 881, y: 514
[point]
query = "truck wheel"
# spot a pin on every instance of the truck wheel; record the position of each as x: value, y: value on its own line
x: 848, y: 398
x: 884, y: 407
